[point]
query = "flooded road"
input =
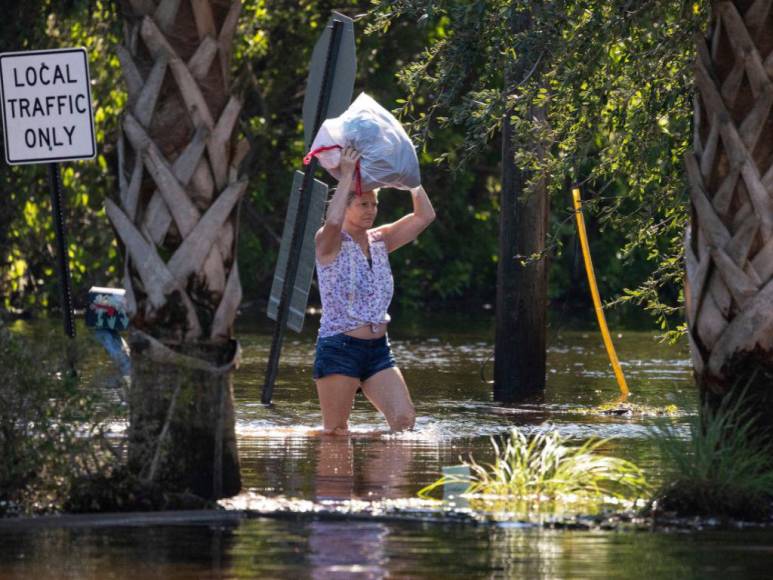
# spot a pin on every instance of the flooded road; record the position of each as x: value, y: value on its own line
x: 447, y: 371
x: 446, y: 362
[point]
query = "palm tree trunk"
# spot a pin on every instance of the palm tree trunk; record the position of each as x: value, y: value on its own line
x: 729, y: 246
x: 177, y: 217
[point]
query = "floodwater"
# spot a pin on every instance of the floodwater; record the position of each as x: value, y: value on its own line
x: 447, y: 362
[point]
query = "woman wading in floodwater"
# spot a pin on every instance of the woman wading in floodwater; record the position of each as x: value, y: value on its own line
x: 355, y: 284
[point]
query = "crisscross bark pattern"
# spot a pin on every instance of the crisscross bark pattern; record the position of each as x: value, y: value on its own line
x: 729, y: 247
x: 178, y: 159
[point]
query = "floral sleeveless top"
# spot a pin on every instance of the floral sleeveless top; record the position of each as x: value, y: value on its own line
x: 355, y: 292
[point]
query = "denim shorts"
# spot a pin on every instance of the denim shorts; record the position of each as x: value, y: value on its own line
x: 342, y: 354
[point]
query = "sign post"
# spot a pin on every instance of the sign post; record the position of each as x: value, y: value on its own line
x: 48, y: 118
x: 328, y: 94
x: 63, y: 262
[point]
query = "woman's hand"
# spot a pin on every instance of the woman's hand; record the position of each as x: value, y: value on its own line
x: 349, y: 158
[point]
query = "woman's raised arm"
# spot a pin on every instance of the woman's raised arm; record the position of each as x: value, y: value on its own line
x: 328, y: 237
x: 408, y: 228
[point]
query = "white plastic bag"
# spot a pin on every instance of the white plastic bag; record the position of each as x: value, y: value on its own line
x: 388, y: 158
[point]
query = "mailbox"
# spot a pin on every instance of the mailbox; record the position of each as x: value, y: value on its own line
x: 107, y: 309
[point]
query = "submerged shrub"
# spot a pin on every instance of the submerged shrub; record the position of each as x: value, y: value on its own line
x: 50, y: 428
x: 119, y: 490
x: 725, y: 468
x: 544, y: 467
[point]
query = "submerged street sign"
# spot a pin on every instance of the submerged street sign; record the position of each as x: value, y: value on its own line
x: 46, y: 104
x: 305, y: 272
x: 340, y: 92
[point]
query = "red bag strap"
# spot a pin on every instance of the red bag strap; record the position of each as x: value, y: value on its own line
x: 357, y: 175
x: 313, y: 153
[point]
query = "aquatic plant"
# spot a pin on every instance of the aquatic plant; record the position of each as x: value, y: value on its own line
x: 725, y: 468
x: 628, y: 409
x: 545, y: 467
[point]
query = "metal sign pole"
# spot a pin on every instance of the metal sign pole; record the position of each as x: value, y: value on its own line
x: 300, y: 221
x: 65, y: 283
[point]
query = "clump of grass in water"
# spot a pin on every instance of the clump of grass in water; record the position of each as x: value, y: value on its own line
x: 544, y: 468
x: 723, y: 469
x: 633, y: 409
x: 629, y: 409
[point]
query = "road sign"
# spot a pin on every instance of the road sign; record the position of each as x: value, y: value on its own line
x: 46, y: 104
x: 45, y: 96
x: 330, y: 46
x: 300, y: 291
x: 342, y: 89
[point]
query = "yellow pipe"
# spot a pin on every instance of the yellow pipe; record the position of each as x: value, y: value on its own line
x: 595, y: 293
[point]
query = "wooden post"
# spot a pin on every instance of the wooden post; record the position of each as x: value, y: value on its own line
x: 521, y: 306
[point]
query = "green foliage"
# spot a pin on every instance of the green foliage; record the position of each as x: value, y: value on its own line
x: 271, y: 63
x: 545, y: 468
x: 51, y: 429
x: 613, y: 82
x: 28, y: 277
x: 724, y: 468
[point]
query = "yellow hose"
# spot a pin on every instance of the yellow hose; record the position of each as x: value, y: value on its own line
x: 595, y: 293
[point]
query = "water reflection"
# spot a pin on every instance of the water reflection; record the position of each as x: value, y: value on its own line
x: 347, y: 549
x: 335, y: 469
x: 264, y: 548
x: 168, y: 552
x: 360, y: 467
x: 381, y: 471
x: 527, y: 554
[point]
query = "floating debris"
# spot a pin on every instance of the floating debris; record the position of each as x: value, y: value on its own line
x: 628, y: 409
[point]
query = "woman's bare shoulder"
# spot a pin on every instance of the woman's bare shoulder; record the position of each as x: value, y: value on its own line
x: 327, y: 250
